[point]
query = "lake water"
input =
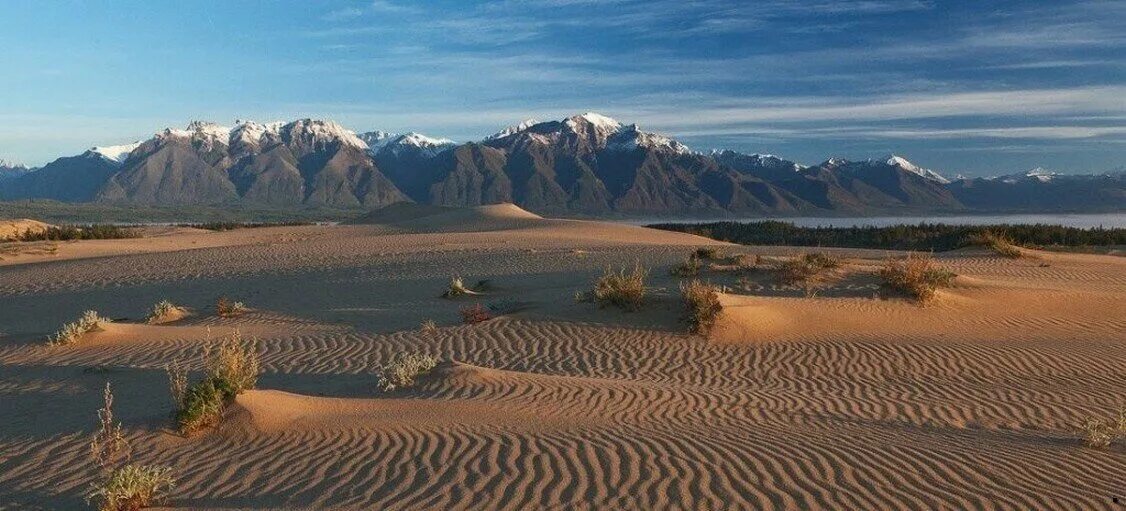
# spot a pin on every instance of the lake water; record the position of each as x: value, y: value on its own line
x: 1086, y: 221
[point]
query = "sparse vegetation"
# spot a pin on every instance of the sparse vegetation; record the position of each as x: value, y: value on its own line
x: 689, y: 268
x: 404, y: 369
x: 624, y: 288
x: 998, y: 242
x: 475, y: 314
x: 428, y: 327
x: 701, y: 306
x: 921, y: 237
x: 1100, y: 433
x: 125, y: 486
x: 709, y: 253
x: 132, y: 487
x: 225, y: 308
x: 457, y: 288
x: 75, y: 232
x: 162, y: 310
x: 806, y: 267
x: 915, y: 275
x: 70, y: 333
x: 231, y: 366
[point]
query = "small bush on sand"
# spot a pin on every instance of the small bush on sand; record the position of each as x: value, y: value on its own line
x: 225, y: 308
x: 70, y: 333
x: 475, y: 314
x: 998, y: 242
x: 709, y: 253
x: 162, y: 310
x: 457, y: 288
x: 132, y: 487
x: 689, y: 268
x: 428, y: 327
x: 806, y: 267
x: 404, y: 369
x: 1100, y: 433
x: 125, y: 486
x: 623, y: 288
x: 916, y: 275
x: 701, y: 306
x: 231, y: 366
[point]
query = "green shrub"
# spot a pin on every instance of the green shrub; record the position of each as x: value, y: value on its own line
x: 230, y: 367
x: 226, y: 308
x: 161, y: 310
x: 806, y: 268
x: 998, y: 242
x: 701, y: 306
x: 404, y: 369
x: 624, y: 288
x: 70, y: 333
x: 915, y: 275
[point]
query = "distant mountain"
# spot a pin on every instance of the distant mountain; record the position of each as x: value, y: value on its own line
x: 11, y: 170
x: 587, y: 164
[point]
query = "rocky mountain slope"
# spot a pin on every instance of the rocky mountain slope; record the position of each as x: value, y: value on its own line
x: 586, y: 164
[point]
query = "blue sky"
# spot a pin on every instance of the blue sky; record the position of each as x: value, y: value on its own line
x: 962, y: 87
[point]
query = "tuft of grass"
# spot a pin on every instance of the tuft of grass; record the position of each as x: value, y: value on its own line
x: 457, y: 288
x: 428, y: 327
x: 806, y: 267
x: 225, y: 308
x: 475, y: 314
x: 109, y: 446
x: 132, y: 487
x: 998, y: 242
x: 231, y: 366
x: 624, y: 288
x: 70, y: 333
x: 916, y: 275
x: 161, y: 310
x: 404, y: 369
x: 701, y: 306
x: 1099, y: 433
x: 690, y: 267
x: 709, y: 253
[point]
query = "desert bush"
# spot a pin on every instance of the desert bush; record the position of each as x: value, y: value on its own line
x: 70, y: 333
x: 74, y: 232
x: 709, y: 253
x: 1100, y: 433
x: 161, y: 310
x: 125, y: 487
x: 457, y: 288
x: 475, y: 314
x: 998, y: 242
x: 132, y: 487
x: 806, y: 267
x: 226, y: 308
x: 623, y: 288
x: 701, y: 306
x: 403, y: 369
x: 690, y: 267
x: 916, y: 275
x: 231, y: 366
x: 428, y: 327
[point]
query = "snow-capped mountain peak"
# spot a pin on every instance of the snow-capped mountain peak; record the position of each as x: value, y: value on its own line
x: 420, y: 140
x: 902, y: 163
x: 378, y: 141
x: 632, y: 137
x: 598, y: 121
x: 11, y: 164
x: 115, y: 153
x: 512, y: 130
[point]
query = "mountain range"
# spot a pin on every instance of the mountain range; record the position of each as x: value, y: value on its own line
x: 587, y: 164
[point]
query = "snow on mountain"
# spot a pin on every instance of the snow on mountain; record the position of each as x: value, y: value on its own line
x: 897, y: 161
x: 632, y: 137
x: 512, y: 130
x: 769, y: 161
x: 114, y: 153
x: 378, y: 141
x: 1038, y: 174
x: 599, y: 122
x: 11, y: 164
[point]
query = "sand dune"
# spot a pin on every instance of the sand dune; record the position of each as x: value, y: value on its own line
x: 845, y: 400
x: 18, y: 226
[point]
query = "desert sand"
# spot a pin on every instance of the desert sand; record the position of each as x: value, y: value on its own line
x: 843, y: 400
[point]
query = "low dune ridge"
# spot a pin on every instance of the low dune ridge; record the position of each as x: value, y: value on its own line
x: 11, y: 228
x: 848, y: 396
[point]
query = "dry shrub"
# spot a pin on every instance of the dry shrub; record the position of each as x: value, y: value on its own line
x: 624, y: 288
x: 70, y: 333
x: 132, y: 487
x: 161, y: 310
x: 125, y: 487
x: 231, y: 366
x: 701, y: 306
x: 1100, y: 433
x: 404, y: 369
x: 428, y: 327
x: 709, y: 253
x: 457, y: 288
x: 226, y: 308
x: 806, y: 267
x: 916, y: 275
x: 690, y: 267
x: 475, y: 314
x: 998, y: 242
